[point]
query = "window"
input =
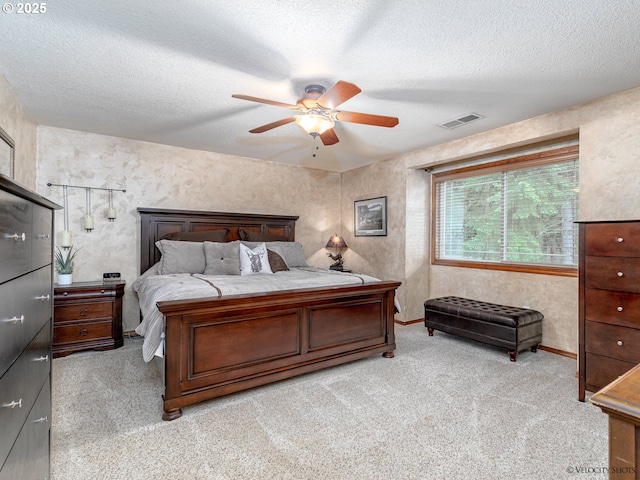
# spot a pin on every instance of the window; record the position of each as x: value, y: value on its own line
x: 515, y: 214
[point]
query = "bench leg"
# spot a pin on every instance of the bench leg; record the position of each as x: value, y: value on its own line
x: 430, y: 330
x: 513, y: 355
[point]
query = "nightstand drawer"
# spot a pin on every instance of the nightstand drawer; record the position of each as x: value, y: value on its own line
x: 81, y: 332
x: 613, y: 341
x: 83, y: 311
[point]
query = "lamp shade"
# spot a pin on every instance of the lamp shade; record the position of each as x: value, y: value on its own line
x: 314, y: 123
x: 336, y: 241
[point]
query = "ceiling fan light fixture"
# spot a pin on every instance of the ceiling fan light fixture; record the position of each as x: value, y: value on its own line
x: 314, y: 123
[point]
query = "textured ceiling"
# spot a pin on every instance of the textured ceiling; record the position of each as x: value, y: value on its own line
x: 164, y: 71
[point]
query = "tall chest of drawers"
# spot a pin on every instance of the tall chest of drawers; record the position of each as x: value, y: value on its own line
x: 609, y: 302
x: 26, y: 309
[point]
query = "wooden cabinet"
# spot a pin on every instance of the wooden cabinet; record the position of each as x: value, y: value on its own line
x: 609, y: 307
x: 621, y: 401
x: 87, y: 315
x: 26, y: 307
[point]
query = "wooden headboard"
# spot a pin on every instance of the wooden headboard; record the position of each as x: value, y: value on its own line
x: 156, y: 223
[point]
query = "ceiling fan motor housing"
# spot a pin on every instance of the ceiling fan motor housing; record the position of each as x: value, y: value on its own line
x: 311, y: 94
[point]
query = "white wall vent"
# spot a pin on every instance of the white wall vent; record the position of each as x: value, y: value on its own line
x: 472, y: 117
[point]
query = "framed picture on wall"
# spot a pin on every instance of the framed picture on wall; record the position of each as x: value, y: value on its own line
x: 370, y: 217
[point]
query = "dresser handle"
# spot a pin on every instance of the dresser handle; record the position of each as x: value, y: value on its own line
x: 41, y: 419
x: 619, y: 342
x: 13, y: 404
x: 619, y: 239
x: 43, y: 236
x: 84, y: 332
x: 65, y: 293
x: 44, y: 297
x: 17, y: 236
x: 84, y: 312
x: 15, y: 320
x: 43, y: 358
x: 620, y: 274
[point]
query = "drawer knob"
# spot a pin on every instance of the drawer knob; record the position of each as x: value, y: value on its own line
x: 620, y: 274
x: 620, y: 309
x: 43, y: 358
x: 44, y: 297
x: 65, y: 293
x: 16, y: 319
x: 17, y: 236
x: 619, y: 239
x: 619, y: 342
x: 84, y: 312
x: 13, y: 404
x: 84, y: 332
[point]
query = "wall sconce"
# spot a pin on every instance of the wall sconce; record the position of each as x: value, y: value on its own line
x: 336, y: 242
x: 111, y: 211
x: 88, y: 218
x: 66, y: 239
x: 88, y: 221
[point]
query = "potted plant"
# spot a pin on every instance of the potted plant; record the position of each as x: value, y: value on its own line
x: 64, y: 265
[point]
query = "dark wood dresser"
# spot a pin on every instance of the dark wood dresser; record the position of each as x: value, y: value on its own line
x: 26, y: 307
x: 609, y: 302
x: 87, y: 316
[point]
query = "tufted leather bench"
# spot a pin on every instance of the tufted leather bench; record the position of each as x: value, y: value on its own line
x: 503, y: 326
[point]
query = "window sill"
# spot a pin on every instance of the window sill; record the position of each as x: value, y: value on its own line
x: 512, y: 267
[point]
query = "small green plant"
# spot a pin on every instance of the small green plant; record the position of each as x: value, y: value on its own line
x: 64, y: 260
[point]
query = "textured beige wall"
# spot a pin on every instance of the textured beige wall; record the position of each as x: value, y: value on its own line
x: 16, y: 121
x: 170, y: 177
x: 609, y: 131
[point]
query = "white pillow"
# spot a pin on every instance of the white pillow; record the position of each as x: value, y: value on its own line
x: 254, y: 261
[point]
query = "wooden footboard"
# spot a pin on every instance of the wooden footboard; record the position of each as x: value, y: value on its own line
x: 214, y: 347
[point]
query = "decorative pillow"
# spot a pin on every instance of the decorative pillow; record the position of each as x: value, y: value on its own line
x: 222, y: 258
x: 276, y: 262
x: 250, y: 236
x: 254, y: 261
x: 181, y: 257
x: 291, y: 252
x: 219, y: 235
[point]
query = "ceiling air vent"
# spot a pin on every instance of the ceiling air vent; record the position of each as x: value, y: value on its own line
x: 460, y: 121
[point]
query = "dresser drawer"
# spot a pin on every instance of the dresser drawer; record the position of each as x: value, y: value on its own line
x: 613, y: 239
x: 42, y: 243
x: 613, y: 341
x: 81, y: 311
x: 613, y: 273
x: 618, y: 308
x: 26, y: 307
x: 81, y: 332
x: 601, y: 371
x: 15, y: 236
x: 29, y: 457
x: 20, y: 385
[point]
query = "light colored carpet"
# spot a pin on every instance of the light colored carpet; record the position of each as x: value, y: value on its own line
x: 443, y: 408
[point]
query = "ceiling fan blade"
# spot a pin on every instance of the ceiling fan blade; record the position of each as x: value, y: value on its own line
x: 264, y: 100
x: 329, y: 137
x: 269, y: 126
x: 367, y: 119
x: 338, y: 94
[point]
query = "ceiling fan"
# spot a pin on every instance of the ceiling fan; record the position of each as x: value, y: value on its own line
x: 317, y: 111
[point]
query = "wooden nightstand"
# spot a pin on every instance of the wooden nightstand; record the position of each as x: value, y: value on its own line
x: 87, y: 315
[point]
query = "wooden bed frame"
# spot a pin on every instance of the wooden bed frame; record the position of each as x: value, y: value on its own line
x: 218, y: 346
